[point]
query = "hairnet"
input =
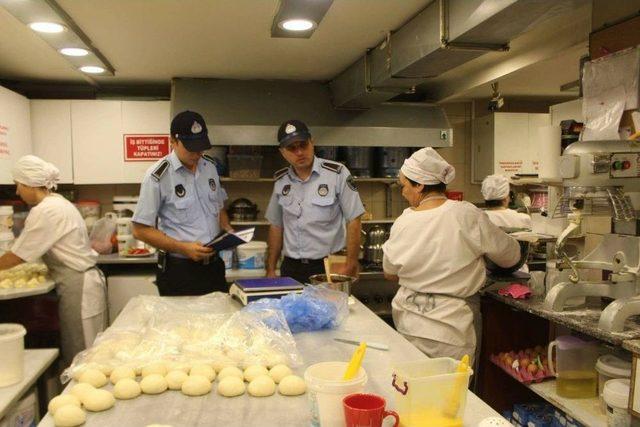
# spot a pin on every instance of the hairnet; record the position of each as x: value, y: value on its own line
x: 495, y: 187
x: 35, y: 172
x: 427, y: 167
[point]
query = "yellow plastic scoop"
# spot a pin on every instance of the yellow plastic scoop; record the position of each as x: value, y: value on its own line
x: 356, y: 360
x: 453, y: 403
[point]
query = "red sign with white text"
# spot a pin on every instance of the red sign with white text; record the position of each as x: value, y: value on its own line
x: 145, y: 148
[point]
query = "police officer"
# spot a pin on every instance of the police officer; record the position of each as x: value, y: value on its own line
x: 181, y: 208
x: 312, y: 200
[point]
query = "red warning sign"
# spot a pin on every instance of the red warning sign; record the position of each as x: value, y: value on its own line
x: 145, y: 148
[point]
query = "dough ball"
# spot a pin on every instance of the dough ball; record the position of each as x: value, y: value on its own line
x: 179, y: 366
x: 122, y: 372
x: 230, y: 371
x: 81, y: 390
x: 203, y: 370
x: 231, y: 386
x: 222, y: 362
x: 105, y: 369
x: 154, y: 384
x: 278, y: 372
x: 159, y: 368
x: 93, y: 377
x: 292, y: 385
x: 62, y: 400
x: 126, y: 388
x: 69, y: 416
x: 175, y: 379
x: 99, y: 400
x: 254, y: 371
x: 262, y: 386
x: 196, y: 385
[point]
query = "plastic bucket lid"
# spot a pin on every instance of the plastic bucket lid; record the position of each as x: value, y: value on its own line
x: 253, y: 245
x: 11, y: 332
x: 616, y: 393
x: 612, y: 366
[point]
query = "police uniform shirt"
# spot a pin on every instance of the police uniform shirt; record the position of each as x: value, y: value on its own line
x: 187, y: 203
x: 313, y: 212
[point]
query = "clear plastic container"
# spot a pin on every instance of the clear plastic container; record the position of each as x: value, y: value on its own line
x: 12, y: 354
x: 430, y: 392
x: 6, y: 218
x: 123, y: 226
x: 244, y: 166
x: 610, y: 367
x: 575, y: 367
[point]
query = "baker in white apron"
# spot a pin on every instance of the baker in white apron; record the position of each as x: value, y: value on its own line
x: 435, y: 252
x: 55, y: 232
x: 495, y: 191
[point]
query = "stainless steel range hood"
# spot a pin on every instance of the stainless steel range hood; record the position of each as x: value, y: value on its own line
x: 240, y: 112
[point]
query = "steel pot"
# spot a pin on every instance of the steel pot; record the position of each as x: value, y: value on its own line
x: 359, y: 160
x: 340, y: 283
x: 376, y: 237
x: 390, y: 159
x: 243, y: 210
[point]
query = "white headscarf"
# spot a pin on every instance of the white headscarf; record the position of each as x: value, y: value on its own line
x: 427, y: 167
x: 495, y: 187
x: 35, y: 172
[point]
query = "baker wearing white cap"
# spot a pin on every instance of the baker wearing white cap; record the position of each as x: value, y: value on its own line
x: 495, y: 190
x: 435, y: 251
x: 55, y: 232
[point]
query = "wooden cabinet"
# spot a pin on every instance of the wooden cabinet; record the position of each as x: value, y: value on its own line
x: 15, y: 131
x: 51, y: 134
x: 505, y: 143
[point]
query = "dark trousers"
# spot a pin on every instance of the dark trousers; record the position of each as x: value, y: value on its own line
x: 301, y: 269
x: 184, y: 277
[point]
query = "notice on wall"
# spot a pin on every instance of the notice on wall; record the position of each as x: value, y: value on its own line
x: 4, y: 142
x: 145, y: 148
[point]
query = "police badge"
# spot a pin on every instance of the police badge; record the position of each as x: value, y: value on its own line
x: 212, y: 184
x: 323, y: 190
x: 180, y: 190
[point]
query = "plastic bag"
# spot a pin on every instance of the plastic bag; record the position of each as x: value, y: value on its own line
x: 101, y: 235
x: 316, y: 308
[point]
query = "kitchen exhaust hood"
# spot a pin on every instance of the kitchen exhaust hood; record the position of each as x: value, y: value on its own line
x: 240, y: 112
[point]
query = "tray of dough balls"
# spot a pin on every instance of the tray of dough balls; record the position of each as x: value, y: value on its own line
x: 181, y: 362
x: 25, y: 280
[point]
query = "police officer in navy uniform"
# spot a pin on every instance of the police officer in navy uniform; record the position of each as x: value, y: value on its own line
x: 180, y: 209
x: 312, y: 201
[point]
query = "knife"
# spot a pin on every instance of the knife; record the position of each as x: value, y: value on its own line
x: 375, y: 345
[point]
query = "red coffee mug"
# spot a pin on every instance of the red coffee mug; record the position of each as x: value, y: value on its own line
x: 366, y: 410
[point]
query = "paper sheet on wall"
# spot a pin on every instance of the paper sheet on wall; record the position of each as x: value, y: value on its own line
x: 606, y: 73
x: 4, y: 142
x: 602, y: 115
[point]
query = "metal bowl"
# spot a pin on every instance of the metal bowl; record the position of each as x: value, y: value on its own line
x: 340, y: 282
x: 496, y: 269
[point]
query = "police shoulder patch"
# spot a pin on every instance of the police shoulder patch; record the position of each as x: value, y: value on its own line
x: 160, y: 170
x: 280, y: 173
x: 333, y: 167
x: 209, y: 159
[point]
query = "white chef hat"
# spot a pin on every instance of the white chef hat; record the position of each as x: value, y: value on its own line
x: 427, y: 167
x: 495, y: 187
x: 35, y: 172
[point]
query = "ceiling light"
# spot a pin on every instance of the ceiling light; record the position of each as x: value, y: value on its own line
x: 92, y: 69
x: 46, y: 27
x: 74, y: 51
x: 297, y: 24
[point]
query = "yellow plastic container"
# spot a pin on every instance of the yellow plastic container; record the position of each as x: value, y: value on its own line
x: 430, y: 393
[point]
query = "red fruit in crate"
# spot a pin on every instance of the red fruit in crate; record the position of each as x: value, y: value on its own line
x: 532, y: 368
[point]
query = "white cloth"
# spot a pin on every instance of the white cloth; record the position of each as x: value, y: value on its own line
x: 509, y: 218
x: 495, y: 187
x: 437, y: 255
x: 54, y: 226
x: 427, y: 167
x: 33, y: 171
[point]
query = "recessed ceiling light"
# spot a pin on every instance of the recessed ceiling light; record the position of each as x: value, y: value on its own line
x: 92, y: 69
x: 46, y: 27
x: 297, y: 24
x: 74, y: 51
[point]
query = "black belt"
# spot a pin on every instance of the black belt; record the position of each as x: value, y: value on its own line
x: 306, y: 260
x: 179, y: 260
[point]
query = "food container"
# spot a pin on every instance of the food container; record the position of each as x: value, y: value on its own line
x: 123, y: 226
x: 616, y: 396
x: 610, y: 367
x: 340, y: 282
x: 124, y: 243
x: 227, y: 258
x: 6, y: 241
x: 243, y: 210
x: 327, y: 389
x: 430, y: 392
x: 359, y: 160
x: 574, y: 366
x: 244, y: 166
x: 12, y: 354
x: 125, y: 206
x: 251, y: 255
x: 6, y: 218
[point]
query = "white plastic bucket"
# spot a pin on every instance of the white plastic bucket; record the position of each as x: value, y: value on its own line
x: 227, y: 258
x: 6, y: 241
x: 124, y: 242
x: 12, y: 354
x: 616, y: 396
x: 123, y: 226
x: 6, y: 218
x: 610, y: 367
x: 251, y: 255
x: 327, y: 389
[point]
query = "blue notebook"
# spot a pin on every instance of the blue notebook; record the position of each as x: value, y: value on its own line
x: 268, y: 284
x: 226, y: 240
